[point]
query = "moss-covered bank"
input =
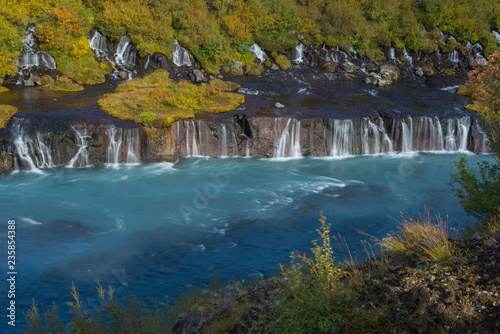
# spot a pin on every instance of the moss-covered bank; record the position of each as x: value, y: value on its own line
x: 157, y: 101
x: 6, y: 114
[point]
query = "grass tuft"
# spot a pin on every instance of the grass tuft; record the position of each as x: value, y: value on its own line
x: 421, y: 239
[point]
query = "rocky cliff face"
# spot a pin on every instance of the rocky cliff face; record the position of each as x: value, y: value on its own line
x: 85, y: 144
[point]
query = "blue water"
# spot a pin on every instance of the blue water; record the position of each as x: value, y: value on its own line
x: 153, y: 230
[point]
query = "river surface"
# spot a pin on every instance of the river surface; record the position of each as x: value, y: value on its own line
x: 154, y: 229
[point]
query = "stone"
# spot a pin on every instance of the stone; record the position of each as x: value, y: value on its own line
x: 279, y: 39
x: 237, y: 68
x: 279, y: 105
x: 419, y: 72
x: 291, y: 32
x: 29, y: 83
x: 220, y: 76
x: 37, y: 80
x: 384, y: 82
x: 196, y: 76
x: 274, y: 67
x: 300, y: 37
x: 476, y: 236
x: 389, y: 72
x: 123, y: 75
x: 490, y: 242
x: 348, y: 67
x: 432, y: 278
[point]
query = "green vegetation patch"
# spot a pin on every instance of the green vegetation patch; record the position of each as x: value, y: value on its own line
x: 6, y: 114
x: 3, y: 89
x: 61, y: 84
x: 283, y: 62
x: 157, y: 101
x: 86, y: 70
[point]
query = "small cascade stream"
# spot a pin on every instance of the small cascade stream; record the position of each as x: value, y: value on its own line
x: 191, y: 141
x: 257, y: 51
x: 32, y: 151
x: 31, y: 56
x: 81, y: 158
x: 180, y: 57
x: 299, y: 53
x: 98, y: 44
x: 287, y: 143
x: 123, y: 146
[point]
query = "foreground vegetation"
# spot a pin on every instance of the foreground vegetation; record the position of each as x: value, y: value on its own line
x: 6, y: 114
x: 157, y: 101
x: 219, y: 32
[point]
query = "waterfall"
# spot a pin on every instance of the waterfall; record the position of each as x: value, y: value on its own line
x: 288, y: 144
x: 457, y: 133
x: 299, y: 53
x: 191, y: 144
x: 257, y: 51
x: 370, y: 137
x: 180, y: 57
x: 224, y: 141
x: 247, y: 150
x: 497, y: 36
x: 343, y: 133
x: 113, y: 152
x: 392, y: 53
x: 133, y: 152
x: 407, y: 57
x: 407, y: 141
x: 81, y: 158
x: 32, y: 57
x: 98, y: 44
x: 454, y: 56
x: 32, y: 151
x: 484, y: 139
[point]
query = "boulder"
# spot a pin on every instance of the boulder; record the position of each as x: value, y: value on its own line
x: 237, y: 68
x: 330, y: 66
x: 279, y: 105
x: 123, y: 75
x: 348, y: 67
x: 196, y: 76
x: 419, y: 72
x: 300, y: 37
x: 29, y: 83
x: 389, y: 72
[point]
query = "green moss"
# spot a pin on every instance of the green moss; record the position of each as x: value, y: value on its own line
x: 3, y: 89
x: 267, y: 63
x: 283, y: 62
x: 466, y: 89
x: 254, y: 69
x: 157, y: 101
x: 276, y: 41
x: 60, y: 84
x: 6, y: 114
x: 86, y: 70
x: 330, y: 66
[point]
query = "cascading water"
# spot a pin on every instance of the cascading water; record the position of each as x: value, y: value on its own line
x: 408, y: 58
x: 370, y: 137
x: 299, y: 53
x: 81, y: 158
x: 407, y: 131
x: 191, y: 143
x: 115, y: 142
x: 32, y: 151
x: 454, y: 57
x: 98, y: 44
x: 133, y: 153
x: 32, y: 57
x: 497, y: 36
x: 257, y: 51
x: 224, y: 141
x: 180, y: 57
x: 343, y: 134
x: 287, y: 144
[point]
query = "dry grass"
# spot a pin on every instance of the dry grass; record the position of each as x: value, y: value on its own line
x: 421, y: 239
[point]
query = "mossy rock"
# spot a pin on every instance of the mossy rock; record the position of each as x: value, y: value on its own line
x: 276, y: 41
x: 254, y: 69
x: 237, y: 71
x: 224, y: 86
x: 476, y: 107
x: 428, y: 70
x: 370, y: 67
x: 448, y: 71
x: 60, y: 84
x: 330, y: 66
x: 267, y: 63
x: 466, y: 89
x: 157, y: 101
x: 3, y: 89
x: 283, y: 62
x: 6, y: 114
